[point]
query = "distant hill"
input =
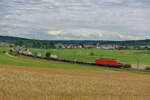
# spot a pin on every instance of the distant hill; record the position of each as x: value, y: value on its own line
x: 10, y: 39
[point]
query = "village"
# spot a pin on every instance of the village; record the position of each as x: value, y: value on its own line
x: 98, y: 45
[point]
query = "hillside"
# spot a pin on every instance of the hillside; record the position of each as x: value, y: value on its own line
x: 10, y: 39
x: 29, y: 78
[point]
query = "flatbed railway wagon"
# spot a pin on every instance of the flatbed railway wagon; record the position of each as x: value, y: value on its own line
x: 109, y: 62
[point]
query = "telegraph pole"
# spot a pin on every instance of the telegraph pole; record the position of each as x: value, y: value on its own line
x: 138, y: 63
x: 138, y: 59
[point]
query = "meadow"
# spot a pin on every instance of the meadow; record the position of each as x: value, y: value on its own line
x: 125, y: 56
x: 25, y: 78
x: 35, y: 62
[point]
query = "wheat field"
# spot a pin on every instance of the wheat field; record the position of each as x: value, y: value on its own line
x: 26, y: 83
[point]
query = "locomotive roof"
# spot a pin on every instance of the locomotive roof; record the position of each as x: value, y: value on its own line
x: 106, y: 59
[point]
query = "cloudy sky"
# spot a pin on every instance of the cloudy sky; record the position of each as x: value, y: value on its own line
x: 76, y: 19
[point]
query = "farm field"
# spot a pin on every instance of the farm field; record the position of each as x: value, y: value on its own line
x: 27, y: 83
x: 24, y: 78
x: 125, y: 56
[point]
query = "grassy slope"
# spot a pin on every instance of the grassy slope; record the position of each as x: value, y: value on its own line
x: 128, y: 56
x: 30, y: 62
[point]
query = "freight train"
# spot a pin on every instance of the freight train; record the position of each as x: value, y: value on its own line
x: 100, y: 61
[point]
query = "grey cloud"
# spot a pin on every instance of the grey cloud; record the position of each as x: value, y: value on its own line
x: 34, y: 18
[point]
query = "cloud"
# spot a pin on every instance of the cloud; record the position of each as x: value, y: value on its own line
x: 76, y: 19
x: 55, y: 32
x: 132, y: 37
x: 75, y: 34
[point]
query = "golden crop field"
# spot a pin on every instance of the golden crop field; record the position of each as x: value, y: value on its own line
x: 26, y: 83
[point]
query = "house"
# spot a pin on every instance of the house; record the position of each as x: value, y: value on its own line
x: 89, y: 46
x: 68, y: 46
x: 98, y: 45
x: 85, y: 45
x: 77, y: 46
x: 130, y: 47
x: 63, y: 46
x: 57, y: 46
x: 108, y: 46
x: 117, y: 46
x: 53, y: 56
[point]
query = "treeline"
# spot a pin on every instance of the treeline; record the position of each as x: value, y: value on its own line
x: 122, y: 43
x: 46, y: 42
x: 35, y: 44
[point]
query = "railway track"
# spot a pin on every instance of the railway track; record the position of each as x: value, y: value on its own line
x: 86, y: 63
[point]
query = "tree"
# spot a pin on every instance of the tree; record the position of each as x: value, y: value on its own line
x: 59, y: 45
x: 51, y: 44
x: 146, y: 48
x: 38, y: 44
x: 45, y: 45
x: 137, y: 47
x: 11, y: 45
x: 19, y: 43
x: 26, y: 45
x: 48, y: 54
x: 34, y: 44
x: 92, y: 54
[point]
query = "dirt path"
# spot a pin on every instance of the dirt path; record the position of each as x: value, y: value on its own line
x: 26, y: 83
x: 7, y: 54
x: 141, y: 66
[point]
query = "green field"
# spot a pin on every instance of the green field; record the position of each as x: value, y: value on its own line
x: 34, y: 62
x: 125, y: 56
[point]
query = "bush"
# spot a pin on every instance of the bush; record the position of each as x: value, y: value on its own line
x: 11, y: 45
x: 91, y: 54
x: 126, y: 65
x: 10, y: 50
x: 147, y: 68
x: 121, y: 65
x: 4, y: 51
x: 13, y: 53
x: 48, y: 54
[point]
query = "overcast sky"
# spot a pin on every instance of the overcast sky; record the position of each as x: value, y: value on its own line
x: 76, y: 19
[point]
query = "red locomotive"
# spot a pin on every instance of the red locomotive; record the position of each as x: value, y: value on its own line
x: 112, y: 62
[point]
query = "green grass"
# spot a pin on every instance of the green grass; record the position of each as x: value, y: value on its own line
x: 22, y: 61
x: 35, y: 62
x: 127, y: 56
x: 4, y: 49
